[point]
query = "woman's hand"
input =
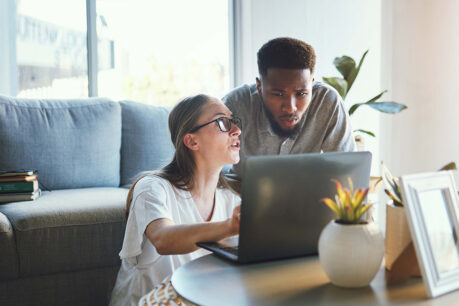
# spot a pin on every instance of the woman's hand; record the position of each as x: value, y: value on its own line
x: 234, y: 221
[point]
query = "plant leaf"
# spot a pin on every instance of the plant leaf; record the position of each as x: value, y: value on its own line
x: 342, y: 211
x: 391, y: 184
x: 339, y: 84
x: 354, y: 108
x: 449, y: 166
x: 362, y: 210
x: 376, y: 97
x: 387, y: 107
x: 357, y: 105
x: 388, y: 179
x: 341, y: 194
x: 348, y: 205
x: 353, y: 75
x: 351, y: 185
x: 330, y: 203
x: 366, y: 132
x: 359, y: 196
x: 345, y: 65
x: 396, y: 201
x: 398, y: 192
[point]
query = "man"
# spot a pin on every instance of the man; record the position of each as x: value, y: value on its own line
x: 286, y: 111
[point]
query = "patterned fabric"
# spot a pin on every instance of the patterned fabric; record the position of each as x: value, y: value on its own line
x: 163, y: 294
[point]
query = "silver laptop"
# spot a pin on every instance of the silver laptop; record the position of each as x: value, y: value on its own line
x: 281, y: 212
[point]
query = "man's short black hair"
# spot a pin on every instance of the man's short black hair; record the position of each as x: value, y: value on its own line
x: 287, y: 53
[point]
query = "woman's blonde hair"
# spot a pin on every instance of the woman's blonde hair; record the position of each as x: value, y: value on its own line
x: 180, y: 171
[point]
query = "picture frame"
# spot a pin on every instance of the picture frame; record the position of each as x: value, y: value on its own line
x: 431, y: 206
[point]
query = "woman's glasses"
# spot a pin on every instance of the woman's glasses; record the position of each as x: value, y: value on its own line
x: 224, y: 124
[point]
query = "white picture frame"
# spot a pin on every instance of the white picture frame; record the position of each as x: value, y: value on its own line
x: 431, y: 206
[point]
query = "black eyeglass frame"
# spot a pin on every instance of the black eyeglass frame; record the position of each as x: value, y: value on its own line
x: 235, y: 120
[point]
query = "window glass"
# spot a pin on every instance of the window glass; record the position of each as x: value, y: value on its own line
x: 51, y: 48
x: 160, y: 51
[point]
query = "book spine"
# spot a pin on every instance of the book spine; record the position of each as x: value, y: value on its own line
x: 18, y: 187
x: 11, y: 179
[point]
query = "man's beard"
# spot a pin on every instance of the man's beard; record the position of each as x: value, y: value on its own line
x: 277, y: 128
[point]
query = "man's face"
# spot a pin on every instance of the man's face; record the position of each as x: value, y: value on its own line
x: 286, y: 94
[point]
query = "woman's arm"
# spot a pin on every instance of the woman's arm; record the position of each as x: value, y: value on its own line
x: 169, y: 238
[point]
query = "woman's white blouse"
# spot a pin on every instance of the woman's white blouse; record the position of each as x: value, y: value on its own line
x: 141, y: 266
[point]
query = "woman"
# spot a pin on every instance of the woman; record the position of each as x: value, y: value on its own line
x: 185, y: 202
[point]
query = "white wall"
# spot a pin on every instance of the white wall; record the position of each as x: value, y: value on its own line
x: 421, y: 67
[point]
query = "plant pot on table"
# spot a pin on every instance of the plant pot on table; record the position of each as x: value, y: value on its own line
x: 398, y: 239
x: 351, y: 254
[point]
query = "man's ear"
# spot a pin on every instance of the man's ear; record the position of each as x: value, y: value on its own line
x: 258, y: 86
x: 190, y: 142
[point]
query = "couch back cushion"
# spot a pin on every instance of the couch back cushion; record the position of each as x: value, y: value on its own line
x: 72, y: 143
x: 146, y: 141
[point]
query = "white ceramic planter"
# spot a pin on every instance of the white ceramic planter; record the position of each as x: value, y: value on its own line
x: 351, y: 255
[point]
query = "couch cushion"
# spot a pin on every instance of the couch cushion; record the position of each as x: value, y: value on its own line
x: 79, y: 288
x: 68, y: 230
x: 8, y: 255
x: 146, y: 141
x: 72, y: 143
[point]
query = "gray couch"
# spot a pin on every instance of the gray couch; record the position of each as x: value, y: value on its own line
x: 62, y: 249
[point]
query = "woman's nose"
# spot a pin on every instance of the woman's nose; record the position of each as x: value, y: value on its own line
x: 235, y: 130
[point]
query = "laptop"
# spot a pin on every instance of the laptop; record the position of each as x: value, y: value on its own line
x: 281, y: 212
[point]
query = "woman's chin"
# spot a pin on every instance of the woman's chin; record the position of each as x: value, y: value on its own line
x: 235, y: 159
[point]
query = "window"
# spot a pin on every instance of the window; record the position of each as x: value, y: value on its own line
x: 51, y: 51
x: 147, y: 50
x: 160, y: 51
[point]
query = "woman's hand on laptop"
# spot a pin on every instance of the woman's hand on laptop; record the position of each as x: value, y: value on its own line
x: 170, y: 238
x: 234, y: 221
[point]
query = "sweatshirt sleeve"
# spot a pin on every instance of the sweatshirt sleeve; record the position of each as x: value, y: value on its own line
x: 339, y: 136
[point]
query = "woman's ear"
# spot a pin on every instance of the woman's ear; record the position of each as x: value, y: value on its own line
x: 190, y: 142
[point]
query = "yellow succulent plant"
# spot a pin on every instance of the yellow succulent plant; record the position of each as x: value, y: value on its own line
x: 348, y: 205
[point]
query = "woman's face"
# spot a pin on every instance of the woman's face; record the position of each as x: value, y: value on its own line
x: 214, y: 145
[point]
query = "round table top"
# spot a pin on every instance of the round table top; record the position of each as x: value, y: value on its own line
x: 210, y: 280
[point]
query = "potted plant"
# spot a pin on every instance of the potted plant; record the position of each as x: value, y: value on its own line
x: 349, y: 71
x: 398, y: 235
x: 350, y: 248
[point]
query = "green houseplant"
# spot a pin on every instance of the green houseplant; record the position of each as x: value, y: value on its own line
x: 350, y: 249
x: 349, y: 72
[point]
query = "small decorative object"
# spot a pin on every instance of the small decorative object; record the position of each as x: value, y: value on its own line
x: 400, y: 258
x: 347, y: 68
x: 350, y: 249
x: 432, y: 210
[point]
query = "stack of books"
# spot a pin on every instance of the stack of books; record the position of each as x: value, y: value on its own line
x: 19, y: 185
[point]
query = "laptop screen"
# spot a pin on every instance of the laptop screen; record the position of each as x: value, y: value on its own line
x: 282, y: 215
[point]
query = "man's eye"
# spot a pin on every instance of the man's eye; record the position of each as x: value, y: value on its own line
x: 277, y: 94
x: 302, y: 93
